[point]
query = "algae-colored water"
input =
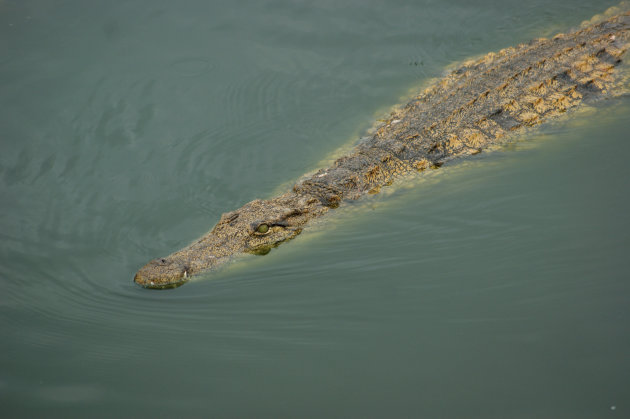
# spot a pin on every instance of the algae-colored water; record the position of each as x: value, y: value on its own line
x: 497, y: 287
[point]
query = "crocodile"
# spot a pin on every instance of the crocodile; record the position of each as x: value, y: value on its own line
x: 483, y: 103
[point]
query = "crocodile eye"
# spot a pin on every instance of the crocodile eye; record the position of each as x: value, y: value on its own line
x: 262, y: 229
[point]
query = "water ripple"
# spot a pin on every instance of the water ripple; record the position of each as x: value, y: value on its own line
x: 191, y: 67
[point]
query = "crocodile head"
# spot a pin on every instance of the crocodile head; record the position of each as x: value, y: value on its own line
x: 255, y: 228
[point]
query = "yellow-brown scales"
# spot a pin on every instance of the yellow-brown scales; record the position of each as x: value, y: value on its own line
x: 482, y: 103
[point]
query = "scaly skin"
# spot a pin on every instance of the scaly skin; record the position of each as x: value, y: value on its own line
x: 479, y: 105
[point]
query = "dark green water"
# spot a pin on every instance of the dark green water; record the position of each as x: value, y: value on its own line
x: 497, y: 287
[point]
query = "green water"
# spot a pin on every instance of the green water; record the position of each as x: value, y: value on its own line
x: 497, y: 287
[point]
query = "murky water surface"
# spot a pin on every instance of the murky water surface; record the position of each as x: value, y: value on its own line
x: 496, y: 287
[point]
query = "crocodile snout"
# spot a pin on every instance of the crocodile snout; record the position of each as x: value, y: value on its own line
x: 162, y: 273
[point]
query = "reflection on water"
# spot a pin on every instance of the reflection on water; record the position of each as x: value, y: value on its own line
x: 494, y: 287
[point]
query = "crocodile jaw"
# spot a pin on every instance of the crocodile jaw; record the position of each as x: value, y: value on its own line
x: 236, y: 233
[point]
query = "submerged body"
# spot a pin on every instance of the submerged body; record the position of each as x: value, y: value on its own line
x: 479, y: 105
